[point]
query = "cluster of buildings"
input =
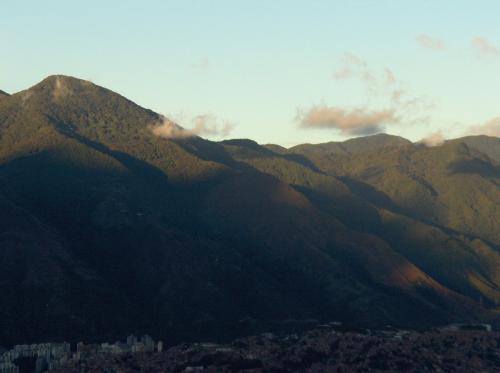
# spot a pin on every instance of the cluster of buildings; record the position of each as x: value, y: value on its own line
x: 46, y: 356
x: 49, y: 356
x: 132, y: 345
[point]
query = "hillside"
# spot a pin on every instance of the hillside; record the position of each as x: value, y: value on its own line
x: 487, y: 145
x: 471, y: 269
x: 109, y: 229
x: 453, y: 185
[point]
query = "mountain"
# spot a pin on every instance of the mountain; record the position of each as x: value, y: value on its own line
x: 324, y: 154
x: 360, y: 199
x: 353, y: 146
x: 3, y: 94
x: 487, y: 145
x: 453, y: 185
x: 445, y: 199
x: 109, y: 229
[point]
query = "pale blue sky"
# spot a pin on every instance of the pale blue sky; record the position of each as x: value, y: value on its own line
x: 258, y: 63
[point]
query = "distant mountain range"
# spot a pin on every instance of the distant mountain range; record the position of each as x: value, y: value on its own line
x: 108, y: 229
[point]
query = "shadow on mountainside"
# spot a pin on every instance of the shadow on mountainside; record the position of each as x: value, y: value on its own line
x: 370, y: 194
x: 136, y: 166
x: 301, y: 159
x: 475, y: 167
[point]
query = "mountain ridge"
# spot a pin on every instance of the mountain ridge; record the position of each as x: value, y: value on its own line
x: 179, y: 237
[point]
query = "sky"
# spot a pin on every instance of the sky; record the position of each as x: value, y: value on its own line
x: 283, y: 72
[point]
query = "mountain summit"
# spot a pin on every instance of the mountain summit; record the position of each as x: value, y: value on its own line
x: 109, y: 229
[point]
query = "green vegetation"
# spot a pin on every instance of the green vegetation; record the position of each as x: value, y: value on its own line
x: 108, y: 229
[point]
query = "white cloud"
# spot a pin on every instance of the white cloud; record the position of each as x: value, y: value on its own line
x: 382, y: 86
x: 485, y: 47
x: 208, y: 125
x: 170, y: 130
x: 353, y: 122
x: 202, y: 125
x: 433, y: 139
x: 489, y: 128
x: 430, y: 42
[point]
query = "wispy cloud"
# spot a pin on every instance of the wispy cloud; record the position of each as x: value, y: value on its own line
x: 430, y: 42
x: 351, y: 65
x: 170, y: 130
x: 398, y: 104
x: 355, y: 122
x: 202, y: 125
x: 379, y: 83
x: 208, y: 125
x: 433, y: 139
x: 489, y: 128
x: 485, y: 47
x: 201, y: 64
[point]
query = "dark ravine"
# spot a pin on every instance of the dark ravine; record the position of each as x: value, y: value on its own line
x: 108, y: 229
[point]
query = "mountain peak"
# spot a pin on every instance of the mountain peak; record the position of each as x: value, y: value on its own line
x: 59, y: 78
x: 62, y: 85
x: 488, y: 145
x: 55, y: 88
x: 89, y: 109
x: 72, y: 93
x: 354, y: 145
x: 379, y: 140
x: 242, y: 142
x: 2, y: 93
